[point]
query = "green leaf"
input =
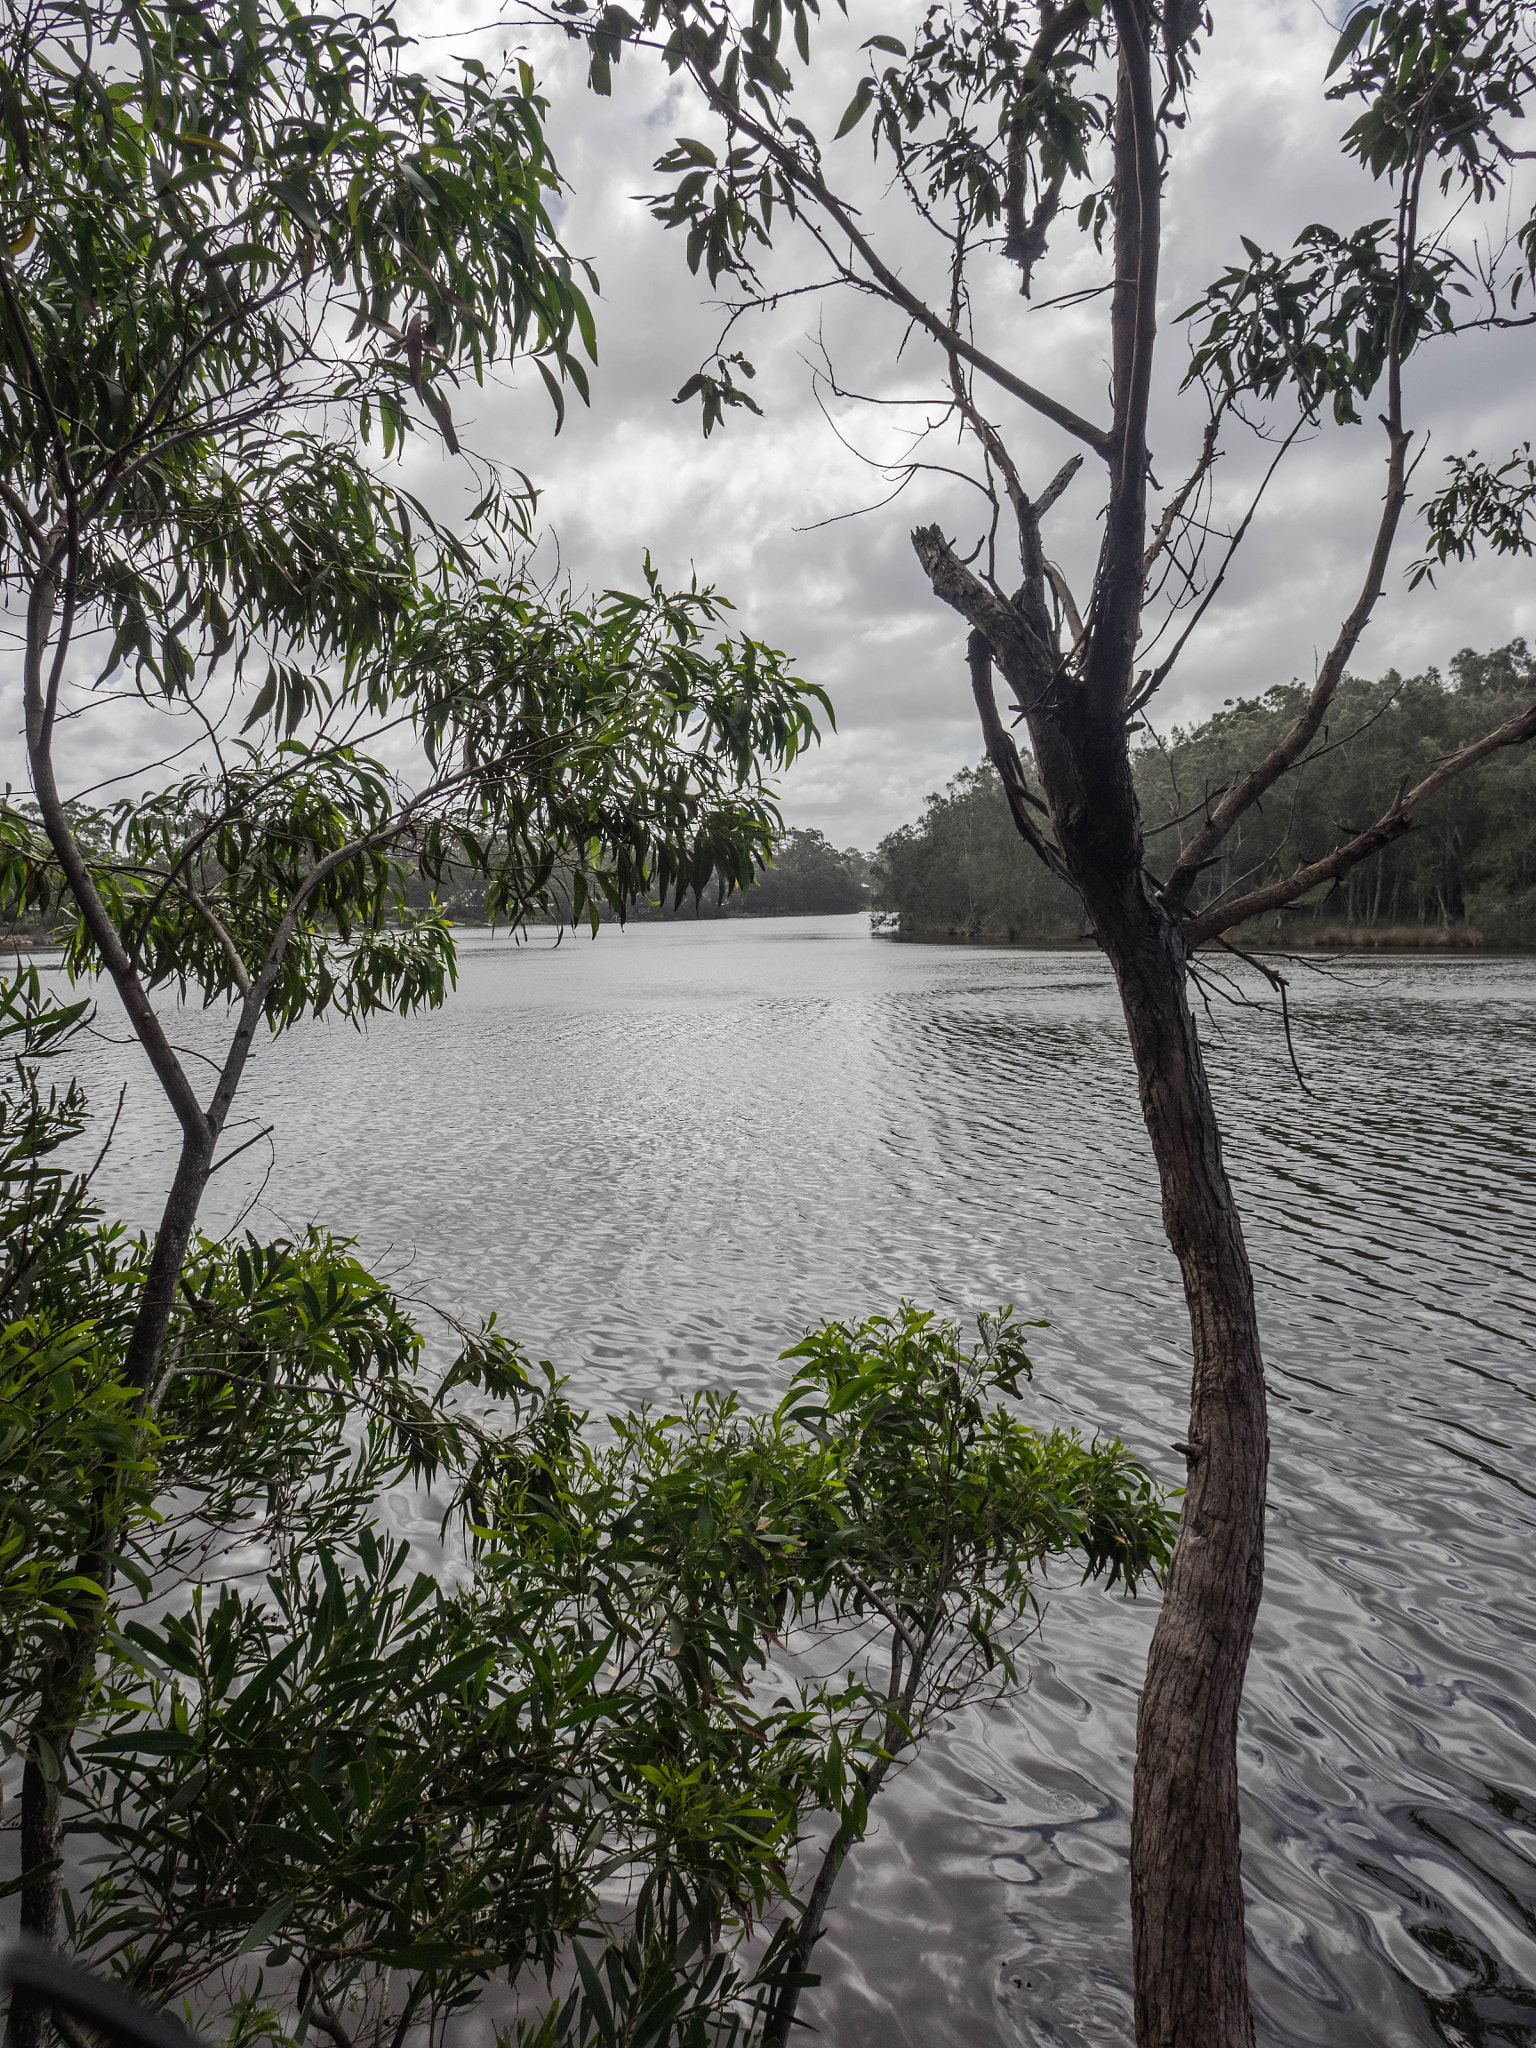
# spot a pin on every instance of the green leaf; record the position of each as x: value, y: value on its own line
x: 557, y: 396
x: 438, y: 407
x: 857, y: 107
x: 423, y: 1955
x: 1355, y: 30
x: 263, y: 1929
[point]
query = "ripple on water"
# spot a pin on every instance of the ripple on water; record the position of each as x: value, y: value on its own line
x: 660, y: 1155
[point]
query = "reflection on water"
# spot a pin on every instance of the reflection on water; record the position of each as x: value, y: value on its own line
x: 660, y: 1155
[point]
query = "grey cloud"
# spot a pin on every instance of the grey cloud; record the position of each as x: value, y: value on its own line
x: 1259, y: 157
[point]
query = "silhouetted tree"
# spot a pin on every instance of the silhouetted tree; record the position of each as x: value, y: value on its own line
x: 996, y: 113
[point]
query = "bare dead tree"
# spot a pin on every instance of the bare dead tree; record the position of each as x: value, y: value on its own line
x: 988, y: 120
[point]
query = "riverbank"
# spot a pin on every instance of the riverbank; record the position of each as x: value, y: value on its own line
x: 1456, y: 938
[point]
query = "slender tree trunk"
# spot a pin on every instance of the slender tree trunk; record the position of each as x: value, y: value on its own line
x: 1186, y: 1877
x: 779, y: 2029
x: 157, y: 1302
x: 1186, y: 1885
x: 68, y: 1674
x: 63, y: 1691
x: 1186, y: 1880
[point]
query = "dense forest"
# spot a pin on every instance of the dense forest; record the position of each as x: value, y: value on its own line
x: 1465, y: 875
x: 807, y: 876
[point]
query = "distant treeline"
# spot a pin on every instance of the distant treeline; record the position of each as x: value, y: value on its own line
x: 1465, y: 875
x: 807, y: 877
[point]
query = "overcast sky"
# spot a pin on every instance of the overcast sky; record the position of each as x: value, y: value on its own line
x: 1260, y: 157
x: 847, y: 600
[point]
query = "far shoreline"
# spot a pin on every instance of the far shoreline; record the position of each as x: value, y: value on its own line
x: 1457, y: 944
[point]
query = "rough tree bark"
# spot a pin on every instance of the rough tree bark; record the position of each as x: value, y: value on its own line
x: 1186, y: 1883
x: 1187, y: 1904
x: 1186, y: 1890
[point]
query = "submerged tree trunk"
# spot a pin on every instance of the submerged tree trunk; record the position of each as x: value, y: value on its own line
x: 1186, y: 1879
x: 1186, y: 1873
x: 1186, y: 1891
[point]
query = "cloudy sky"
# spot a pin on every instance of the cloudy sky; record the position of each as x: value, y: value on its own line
x: 1259, y: 157
x: 746, y: 509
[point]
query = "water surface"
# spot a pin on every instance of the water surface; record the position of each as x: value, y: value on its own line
x: 660, y: 1155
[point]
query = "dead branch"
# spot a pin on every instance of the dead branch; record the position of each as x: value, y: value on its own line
x: 1391, y: 825
x: 1068, y: 604
x: 1246, y: 792
x: 1182, y: 495
x: 1253, y: 785
x: 1153, y: 683
x: 1004, y: 756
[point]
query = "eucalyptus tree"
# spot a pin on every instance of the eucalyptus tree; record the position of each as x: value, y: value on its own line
x: 1000, y: 125
x: 247, y: 255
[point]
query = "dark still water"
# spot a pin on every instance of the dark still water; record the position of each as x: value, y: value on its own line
x: 662, y: 1154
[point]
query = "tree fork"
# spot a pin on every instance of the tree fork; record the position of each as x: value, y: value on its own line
x: 1189, y: 1939
x: 69, y: 1672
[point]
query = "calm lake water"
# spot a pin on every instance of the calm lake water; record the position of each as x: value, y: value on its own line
x: 660, y: 1155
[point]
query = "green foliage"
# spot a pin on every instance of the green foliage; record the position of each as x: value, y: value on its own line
x: 1472, y: 855
x: 808, y: 877
x: 1439, y: 76
x: 249, y: 253
x: 639, y: 744
x: 207, y: 317
x: 200, y: 879
x: 949, y: 113
x: 1479, y: 503
x: 192, y: 196
x: 66, y: 1422
x: 359, y: 1771
x: 947, y: 1503
x: 331, y: 1767
x: 1322, y: 323
x: 715, y: 385
x: 619, y: 736
x: 1436, y: 80
x: 804, y: 876
x: 962, y: 870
